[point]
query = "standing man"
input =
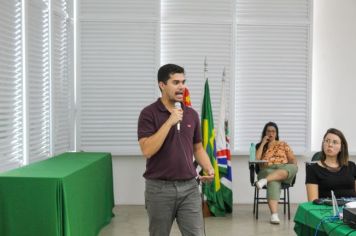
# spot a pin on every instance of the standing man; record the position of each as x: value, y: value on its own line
x: 169, y: 136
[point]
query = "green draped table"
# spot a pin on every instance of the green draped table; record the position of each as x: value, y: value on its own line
x: 309, y: 215
x: 70, y: 194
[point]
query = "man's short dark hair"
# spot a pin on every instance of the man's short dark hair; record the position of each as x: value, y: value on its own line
x: 167, y: 70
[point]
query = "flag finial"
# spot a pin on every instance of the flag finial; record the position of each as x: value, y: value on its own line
x: 205, y: 65
x: 205, y: 68
x: 223, y: 75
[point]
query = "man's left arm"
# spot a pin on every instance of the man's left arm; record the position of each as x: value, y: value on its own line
x: 203, y: 160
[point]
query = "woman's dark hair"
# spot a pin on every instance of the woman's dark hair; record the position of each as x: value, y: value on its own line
x: 264, y: 132
x: 343, y: 155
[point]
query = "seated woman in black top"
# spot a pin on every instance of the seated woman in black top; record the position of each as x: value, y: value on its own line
x: 334, y: 171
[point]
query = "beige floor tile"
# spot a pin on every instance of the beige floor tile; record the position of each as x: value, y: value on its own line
x: 131, y: 220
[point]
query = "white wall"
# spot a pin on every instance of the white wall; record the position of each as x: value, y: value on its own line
x: 334, y: 70
x: 129, y: 183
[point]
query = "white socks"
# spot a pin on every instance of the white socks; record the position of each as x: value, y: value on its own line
x: 261, y: 183
x: 275, y: 219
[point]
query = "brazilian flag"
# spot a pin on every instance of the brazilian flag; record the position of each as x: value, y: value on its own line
x: 212, y: 191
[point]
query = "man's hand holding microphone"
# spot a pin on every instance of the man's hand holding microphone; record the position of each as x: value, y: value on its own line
x: 176, y: 115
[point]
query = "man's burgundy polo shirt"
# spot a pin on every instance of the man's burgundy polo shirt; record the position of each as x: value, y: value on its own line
x: 174, y: 160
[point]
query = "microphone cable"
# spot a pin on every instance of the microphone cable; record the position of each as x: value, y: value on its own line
x: 197, y: 178
x: 324, y: 220
x: 185, y: 154
x: 202, y: 203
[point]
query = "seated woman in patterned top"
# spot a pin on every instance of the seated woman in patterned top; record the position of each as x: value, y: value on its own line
x: 281, y: 166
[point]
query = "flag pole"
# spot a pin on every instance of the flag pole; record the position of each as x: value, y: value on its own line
x: 223, y: 150
x: 205, y: 206
x: 212, y: 191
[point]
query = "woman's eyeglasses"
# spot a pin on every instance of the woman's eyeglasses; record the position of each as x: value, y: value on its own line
x: 333, y: 142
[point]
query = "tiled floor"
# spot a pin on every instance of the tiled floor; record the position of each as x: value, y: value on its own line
x: 131, y: 220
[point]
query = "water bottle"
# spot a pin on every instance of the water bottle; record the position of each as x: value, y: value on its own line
x: 252, y: 152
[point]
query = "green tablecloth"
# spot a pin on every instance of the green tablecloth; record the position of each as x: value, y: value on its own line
x: 309, y: 215
x: 70, y: 194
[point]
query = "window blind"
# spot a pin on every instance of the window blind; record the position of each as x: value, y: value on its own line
x: 262, y: 46
x: 62, y: 79
x: 11, y: 105
x: 118, y: 57
x: 272, y: 71
x: 195, y: 31
x: 38, y: 80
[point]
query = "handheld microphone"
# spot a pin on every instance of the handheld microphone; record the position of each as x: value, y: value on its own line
x: 178, y: 106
